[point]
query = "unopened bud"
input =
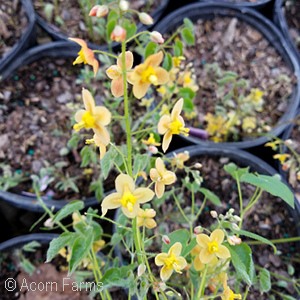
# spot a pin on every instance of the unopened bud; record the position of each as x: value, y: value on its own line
x: 235, y: 227
x: 118, y: 34
x: 99, y: 11
x: 198, y: 165
x: 156, y: 37
x: 153, y: 149
x: 141, y: 270
x: 166, y: 239
x: 231, y: 211
x: 237, y: 218
x: 145, y: 19
x: 234, y: 240
x: 214, y: 214
x: 170, y: 293
x: 49, y: 223
x: 124, y: 5
x: 198, y: 229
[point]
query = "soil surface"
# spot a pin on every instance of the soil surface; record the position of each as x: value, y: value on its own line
x: 39, y: 102
x: 236, y: 46
x: 13, y: 22
x: 72, y: 19
x: 292, y: 15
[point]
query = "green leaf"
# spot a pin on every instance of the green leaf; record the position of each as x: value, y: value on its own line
x: 226, y: 79
x: 235, y: 171
x: 241, y: 257
x: 110, y: 27
x: 211, y: 196
x: 264, y: 280
x: 117, y: 277
x: 58, y: 243
x: 80, y: 249
x: 188, y: 23
x: 255, y: 237
x: 88, y: 155
x: 271, y: 184
x: 130, y: 28
x: 27, y: 266
x: 187, y: 94
x: 150, y: 49
x: 178, y: 48
x: 182, y: 236
x: 189, y: 247
x: 188, y: 36
x: 31, y: 247
x: 168, y: 63
x: 107, y: 162
x: 68, y: 209
x: 140, y: 163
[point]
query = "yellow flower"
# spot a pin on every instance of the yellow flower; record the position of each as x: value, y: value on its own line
x: 164, y: 110
x: 161, y: 177
x: 177, y: 60
x: 171, y: 261
x: 146, y: 74
x: 273, y: 145
x: 93, y: 117
x: 216, y: 127
x: 282, y: 157
x: 179, y: 159
x: 98, y: 245
x: 127, y: 197
x: 99, y: 143
x: 85, y: 55
x: 198, y: 265
x: 249, y: 123
x: 256, y: 96
x: 172, y: 124
x: 145, y: 218
x: 151, y: 140
x: 115, y: 73
x: 228, y: 294
x: 211, y: 246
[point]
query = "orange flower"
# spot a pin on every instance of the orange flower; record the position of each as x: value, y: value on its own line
x: 118, y: 34
x: 115, y: 73
x: 101, y: 144
x: 172, y: 124
x: 146, y: 74
x: 85, y: 55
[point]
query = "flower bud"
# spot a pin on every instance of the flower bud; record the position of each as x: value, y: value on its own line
x: 198, y: 229
x: 235, y: 227
x: 156, y: 37
x: 124, y: 5
x: 234, y: 240
x: 145, y: 19
x: 237, y: 218
x: 141, y: 270
x: 214, y: 214
x: 197, y: 166
x: 49, y: 223
x: 166, y: 239
x: 99, y: 11
x: 118, y: 34
x: 153, y: 149
x: 231, y: 211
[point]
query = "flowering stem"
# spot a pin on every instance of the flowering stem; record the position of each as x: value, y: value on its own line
x: 202, y: 284
x: 137, y: 35
x: 105, y: 53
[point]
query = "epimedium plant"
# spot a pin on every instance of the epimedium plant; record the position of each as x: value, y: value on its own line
x: 191, y: 262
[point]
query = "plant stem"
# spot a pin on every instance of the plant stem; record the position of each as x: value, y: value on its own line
x: 106, y: 53
x: 202, y: 284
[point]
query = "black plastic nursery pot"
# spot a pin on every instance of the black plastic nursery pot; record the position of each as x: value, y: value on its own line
x: 281, y: 22
x: 27, y: 39
x: 54, y: 50
x: 57, y: 35
x: 208, y: 11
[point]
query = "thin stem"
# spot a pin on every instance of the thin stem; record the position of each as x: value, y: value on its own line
x: 180, y: 209
x: 136, y: 35
x: 105, y: 53
x: 202, y: 284
x: 276, y: 241
x: 246, y: 293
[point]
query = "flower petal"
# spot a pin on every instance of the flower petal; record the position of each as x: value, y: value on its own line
x: 131, y: 214
x: 140, y: 89
x: 128, y: 60
x: 167, y: 140
x: 217, y: 236
x: 78, y: 115
x: 160, y: 259
x: 124, y: 180
x: 111, y: 201
x: 160, y: 166
x: 88, y: 100
x: 205, y: 256
x: 181, y: 262
x: 154, y: 174
x: 163, y: 124
x: 177, y: 109
x: 113, y: 72
x: 199, y: 266
x: 117, y: 87
x: 203, y: 240
x: 102, y: 134
x: 150, y: 223
x: 169, y: 177
x: 162, y: 76
x: 143, y: 195
x: 154, y: 60
x: 165, y: 273
x: 176, y: 249
x: 223, y: 252
x: 80, y: 42
x: 159, y: 189
x: 102, y: 114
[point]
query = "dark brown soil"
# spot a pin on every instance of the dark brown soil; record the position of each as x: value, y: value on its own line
x: 292, y: 15
x: 13, y: 22
x: 73, y: 20
x: 235, y: 46
x: 38, y: 104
